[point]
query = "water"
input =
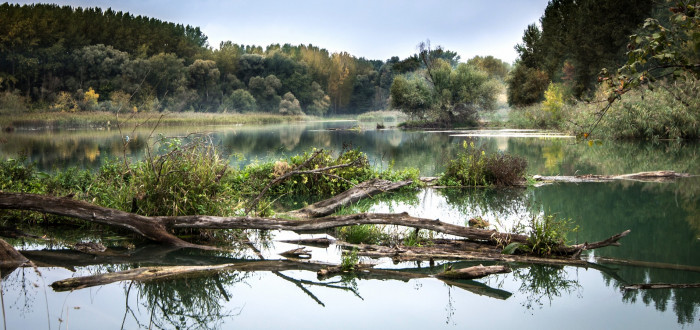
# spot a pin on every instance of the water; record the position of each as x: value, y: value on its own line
x: 664, y: 219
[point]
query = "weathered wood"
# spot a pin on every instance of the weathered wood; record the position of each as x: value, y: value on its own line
x: 169, y: 272
x: 299, y: 253
x: 648, y: 286
x: 473, y: 272
x: 315, y: 242
x: 576, y: 250
x: 329, y: 222
x: 9, y: 256
x: 352, y: 195
x: 655, y: 176
x: 156, y: 228
x: 458, y: 251
x: 148, y: 227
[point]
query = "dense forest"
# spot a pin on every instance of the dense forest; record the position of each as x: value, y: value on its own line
x: 620, y: 69
x: 71, y: 59
x: 573, y: 41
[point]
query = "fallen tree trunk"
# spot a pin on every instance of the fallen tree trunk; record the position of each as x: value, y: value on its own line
x: 145, y: 226
x: 156, y: 228
x: 352, y: 195
x: 473, y: 272
x: 9, y: 256
x: 647, y: 286
x: 655, y: 176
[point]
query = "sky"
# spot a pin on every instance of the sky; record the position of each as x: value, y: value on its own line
x: 374, y: 29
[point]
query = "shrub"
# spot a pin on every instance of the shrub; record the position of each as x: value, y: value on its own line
x: 474, y: 167
x: 669, y: 111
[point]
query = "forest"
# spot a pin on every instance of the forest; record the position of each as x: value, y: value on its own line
x: 75, y: 59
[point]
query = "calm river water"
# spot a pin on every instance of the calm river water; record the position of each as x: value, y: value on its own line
x: 664, y: 242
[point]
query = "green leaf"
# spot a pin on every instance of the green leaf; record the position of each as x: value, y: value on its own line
x: 511, y: 248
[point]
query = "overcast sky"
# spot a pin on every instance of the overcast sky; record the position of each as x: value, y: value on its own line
x: 374, y: 29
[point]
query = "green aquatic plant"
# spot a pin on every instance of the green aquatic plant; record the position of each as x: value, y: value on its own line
x: 474, y: 167
x: 349, y: 261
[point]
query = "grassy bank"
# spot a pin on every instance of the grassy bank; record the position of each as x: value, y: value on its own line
x: 108, y: 119
x: 668, y: 111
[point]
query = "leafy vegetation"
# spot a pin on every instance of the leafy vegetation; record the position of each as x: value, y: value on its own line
x: 186, y: 177
x: 573, y: 41
x: 445, y: 92
x: 474, y: 167
x: 545, y: 233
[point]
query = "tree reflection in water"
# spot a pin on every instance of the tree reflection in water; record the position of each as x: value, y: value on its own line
x: 542, y: 283
x: 187, y: 303
x: 686, y: 302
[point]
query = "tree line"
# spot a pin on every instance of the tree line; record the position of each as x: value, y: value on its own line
x: 570, y: 46
x: 72, y: 59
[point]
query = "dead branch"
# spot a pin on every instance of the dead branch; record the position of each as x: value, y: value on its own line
x: 148, y: 227
x: 9, y: 256
x: 298, y: 171
x: 352, y: 195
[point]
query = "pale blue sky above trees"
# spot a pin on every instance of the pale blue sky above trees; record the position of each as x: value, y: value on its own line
x: 374, y: 29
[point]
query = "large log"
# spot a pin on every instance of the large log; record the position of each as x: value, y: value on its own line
x: 352, y: 195
x: 473, y: 272
x: 650, y: 286
x: 654, y: 176
x: 156, y: 228
x: 148, y: 227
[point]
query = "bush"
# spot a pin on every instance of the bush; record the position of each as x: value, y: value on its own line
x: 474, y: 167
x: 12, y: 102
x: 669, y: 111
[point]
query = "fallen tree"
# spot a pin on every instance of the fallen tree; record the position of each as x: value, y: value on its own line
x: 654, y: 176
x: 144, y: 274
x: 352, y: 195
x: 158, y: 228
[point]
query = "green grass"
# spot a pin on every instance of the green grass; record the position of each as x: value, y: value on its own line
x: 382, y: 116
x: 108, y: 119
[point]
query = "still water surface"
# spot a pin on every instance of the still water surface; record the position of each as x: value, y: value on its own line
x: 664, y: 219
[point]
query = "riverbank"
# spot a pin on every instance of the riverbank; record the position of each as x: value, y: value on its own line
x: 108, y: 119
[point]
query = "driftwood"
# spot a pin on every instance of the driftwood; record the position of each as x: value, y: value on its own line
x: 655, y: 176
x: 315, y: 242
x: 9, y: 256
x: 158, y: 228
x: 299, y: 253
x: 456, y: 250
x: 472, y: 272
x: 648, y: 286
x: 352, y: 195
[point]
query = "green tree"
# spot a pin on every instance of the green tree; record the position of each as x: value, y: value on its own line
x: 289, y: 105
x: 412, y: 95
x: 239, y: 101
x: 265, y: 92
x: 321, y: 101
x: 204, y: 78
x: 525, y: 85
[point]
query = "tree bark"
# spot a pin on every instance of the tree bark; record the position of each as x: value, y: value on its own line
x: 655, y: 176
x: 148, y: 227
x: 156, y: 228
x: 647, y: 286
x: 473, y: 272
x: 352, y: 195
